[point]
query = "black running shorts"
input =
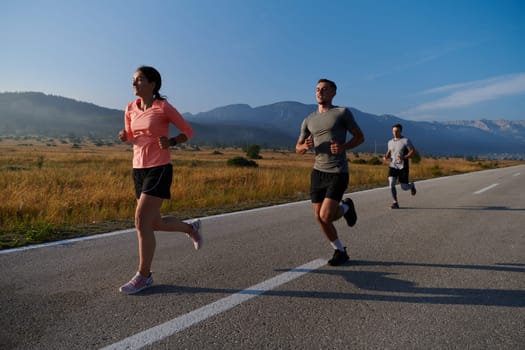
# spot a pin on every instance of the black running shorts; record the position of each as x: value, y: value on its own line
x: 154, y: 181
x: 401, y: 174
x: 327, y: 185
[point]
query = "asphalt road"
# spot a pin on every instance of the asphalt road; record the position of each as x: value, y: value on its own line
x: 446, y: 271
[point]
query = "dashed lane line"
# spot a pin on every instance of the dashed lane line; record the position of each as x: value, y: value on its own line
x: 180, y: 323
x: 486, y: 188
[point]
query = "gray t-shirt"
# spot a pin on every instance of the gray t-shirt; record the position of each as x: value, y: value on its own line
x: 325, y: 127
x: 398, y: 149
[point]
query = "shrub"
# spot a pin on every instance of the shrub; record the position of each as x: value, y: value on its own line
x: 375, y: 161
x: 416, y: 158
x: 39, y: 161
x: 252, y: 151
x: 436, y: 171
x: 241, y: 161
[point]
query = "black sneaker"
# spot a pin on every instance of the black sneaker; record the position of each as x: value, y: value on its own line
x: 413, y: 189
x: 339, y: 258
x: 395, y: 206
x: 350, y: 215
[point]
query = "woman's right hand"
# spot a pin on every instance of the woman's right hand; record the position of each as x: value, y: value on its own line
x: 122, y: 135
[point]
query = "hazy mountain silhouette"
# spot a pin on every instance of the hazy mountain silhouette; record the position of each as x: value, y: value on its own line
x: 274, y: 125
x: 34, y: 113
x: 431, y: 138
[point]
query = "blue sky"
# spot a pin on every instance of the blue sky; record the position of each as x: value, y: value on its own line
x: 418, y: 60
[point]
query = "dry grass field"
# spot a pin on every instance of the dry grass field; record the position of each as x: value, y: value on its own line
x: 58, y: 189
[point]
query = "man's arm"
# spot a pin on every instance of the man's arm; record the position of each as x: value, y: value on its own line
x: 357, y: 138
x: 411, y: 151
x: 304, y: 145
x: 386, y: 157
x: 353, y: 128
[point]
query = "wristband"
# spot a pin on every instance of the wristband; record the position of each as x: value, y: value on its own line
x: 173, y: 141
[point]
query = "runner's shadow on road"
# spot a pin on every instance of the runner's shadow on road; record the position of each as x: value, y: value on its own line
x: 503, y: 267
x: 382, y: 286
x: 390, y: 287
x: 473, y: 208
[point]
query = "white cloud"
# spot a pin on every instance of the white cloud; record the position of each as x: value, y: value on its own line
x: 470, y: 93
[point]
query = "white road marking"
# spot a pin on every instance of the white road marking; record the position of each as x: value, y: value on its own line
x: 65, y: 242
x: 103, y: 235
x: 180, y: 323
x: 486, y: 188
x: 130, y: 230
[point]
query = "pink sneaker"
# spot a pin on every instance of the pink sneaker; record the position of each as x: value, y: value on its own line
x: 195, y: 234
x: 136, y: 284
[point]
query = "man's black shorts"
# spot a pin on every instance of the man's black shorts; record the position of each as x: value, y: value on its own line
x: 327, y: 185
x: 401, y: 174
x: 154, y: 181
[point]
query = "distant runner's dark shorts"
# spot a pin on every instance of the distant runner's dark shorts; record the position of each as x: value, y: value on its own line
x: 327, y: 185
x: 401, y: 174
x: 154, y: 181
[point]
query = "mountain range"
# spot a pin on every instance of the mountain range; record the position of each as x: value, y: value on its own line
x: 271, y: 126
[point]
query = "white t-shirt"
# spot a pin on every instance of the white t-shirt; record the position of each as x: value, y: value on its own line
x: 398, y: 149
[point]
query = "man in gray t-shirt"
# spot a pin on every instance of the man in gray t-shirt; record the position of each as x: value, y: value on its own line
x: 326, y: 128
x: 325, y: 131
x: 399, y: 150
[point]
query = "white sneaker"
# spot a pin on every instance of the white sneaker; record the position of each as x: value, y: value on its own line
x: 196, y: 234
